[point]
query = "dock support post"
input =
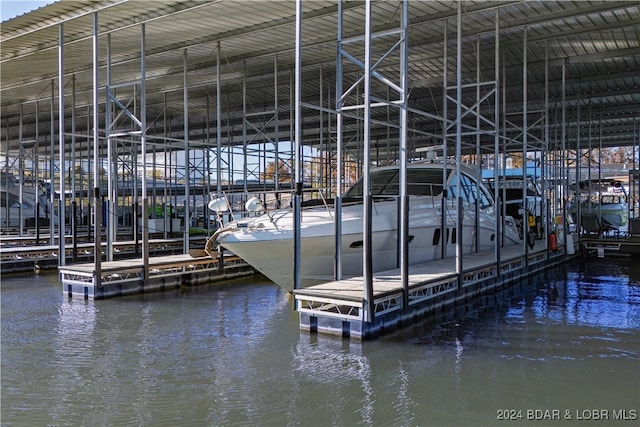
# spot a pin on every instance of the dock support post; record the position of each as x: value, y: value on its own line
x: 404, y: 198
x: 97, y: 208
x: 297, y: 147
x: 61, y: 152
x: 143, y: 137
x: 367, y: 267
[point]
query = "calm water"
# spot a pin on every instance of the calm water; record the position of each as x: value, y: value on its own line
x: 565, y: 344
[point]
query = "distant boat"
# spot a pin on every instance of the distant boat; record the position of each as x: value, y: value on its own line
x: 606, y: 198
x: 266, y: 241
x: 510, y: 186
x: 12, y: 208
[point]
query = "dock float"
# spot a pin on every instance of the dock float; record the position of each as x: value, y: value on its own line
x: 338, y: 307
x: 127, y: 277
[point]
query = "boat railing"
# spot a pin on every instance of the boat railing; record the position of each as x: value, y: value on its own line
x: 236, y: 201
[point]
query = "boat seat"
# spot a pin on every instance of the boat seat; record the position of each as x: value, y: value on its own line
x: 592, y: 225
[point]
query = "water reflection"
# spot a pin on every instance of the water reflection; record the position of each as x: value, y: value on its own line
x: 234, y: 355
x: 338, y: 363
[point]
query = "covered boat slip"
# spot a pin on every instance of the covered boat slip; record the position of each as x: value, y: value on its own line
x: 339, y: 307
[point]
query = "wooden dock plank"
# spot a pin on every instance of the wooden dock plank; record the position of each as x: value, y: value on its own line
x: 389, y: 281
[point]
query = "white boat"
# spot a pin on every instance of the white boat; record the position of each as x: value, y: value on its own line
x: 606, y: 198
x: 12, y: 209
x: 266, y: 241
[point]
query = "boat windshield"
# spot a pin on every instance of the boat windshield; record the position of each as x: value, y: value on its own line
x: 385, y: 182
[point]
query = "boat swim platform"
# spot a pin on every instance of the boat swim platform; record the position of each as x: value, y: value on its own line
x: 338, y: 308
x: 20, y: 258
x: 127, y: 277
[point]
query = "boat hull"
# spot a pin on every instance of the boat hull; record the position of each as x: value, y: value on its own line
x: 273, y: 255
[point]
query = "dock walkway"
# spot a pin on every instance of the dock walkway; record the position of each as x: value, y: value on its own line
x: 127, y: 277
x: 338, y: 307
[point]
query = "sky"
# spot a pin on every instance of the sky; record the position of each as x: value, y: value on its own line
x: 12, y: 8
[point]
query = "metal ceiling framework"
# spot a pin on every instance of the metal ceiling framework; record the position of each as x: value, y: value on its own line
x: 569, y: 73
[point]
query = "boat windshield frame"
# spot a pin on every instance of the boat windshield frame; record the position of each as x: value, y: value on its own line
x: 385, y: 182
x: 424, y: 182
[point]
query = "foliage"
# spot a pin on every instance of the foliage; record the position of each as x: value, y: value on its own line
x: 160, y: 212
x: 284, y: 172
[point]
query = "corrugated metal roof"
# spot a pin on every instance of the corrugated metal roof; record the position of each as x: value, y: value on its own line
x: 598, y: 41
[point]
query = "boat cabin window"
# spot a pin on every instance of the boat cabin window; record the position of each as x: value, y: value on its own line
x: 610, y: 199
x: 420, y: 182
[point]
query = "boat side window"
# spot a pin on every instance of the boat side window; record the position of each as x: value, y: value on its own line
x: 12, y: 202
x: 471, y: 192
x: 383, y: 182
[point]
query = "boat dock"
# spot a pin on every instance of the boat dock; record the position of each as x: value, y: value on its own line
x: 21, y: 254
x: 338, y: 308
x: 602, y: 246
x: 127, y: 277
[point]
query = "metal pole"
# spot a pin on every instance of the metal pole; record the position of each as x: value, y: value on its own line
x: 35, y: 175
x: 276, y: 128
x: 187, y: 169
x: 458, y: 180
x: 218, y: 124
x: 525, y: 130
x: 97, y: 211
x: 367, y: 259
x: 297, y: 249
x: 20, y: 180
x: 61, y: 200
x: 445, y: 130
x: 496, y: 143
x: 337, y: 271
x: 244, y: 124
x: 544, y: 213
x: 563, y: 165
x: 323, y: 150
x: 143, y: 139
x: 404, y: 198
x: 52, y: 192
x: 74, y: 218
x: 111, y: 177
x: 476, y: 207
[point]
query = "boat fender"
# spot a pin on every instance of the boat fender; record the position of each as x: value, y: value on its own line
x: 531, y: 239
x: 553, y: 242
x: 532, y: 221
